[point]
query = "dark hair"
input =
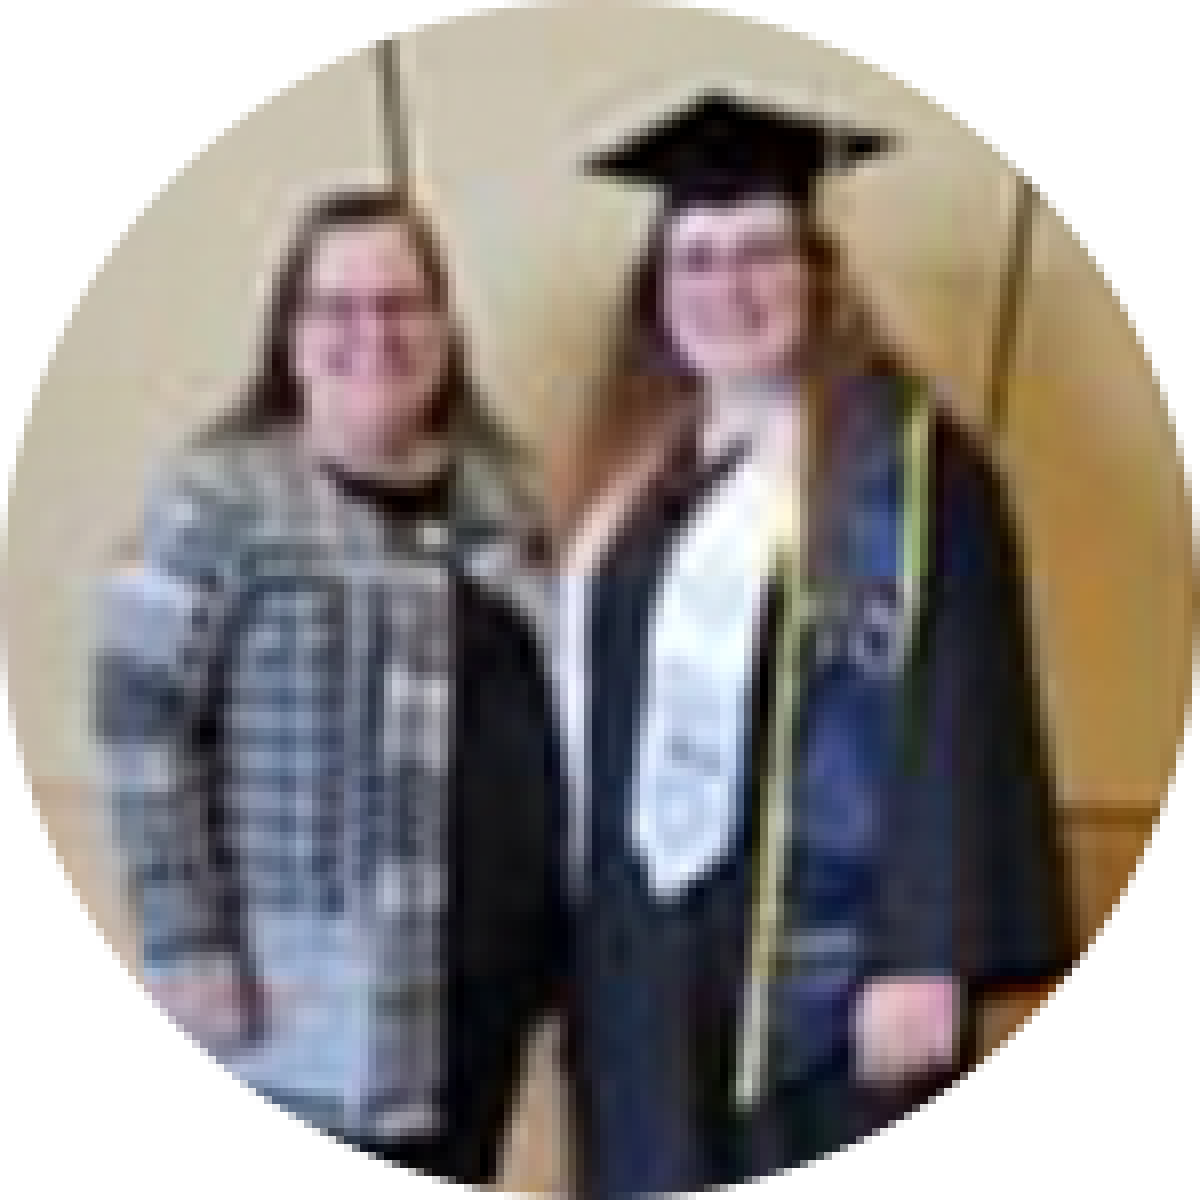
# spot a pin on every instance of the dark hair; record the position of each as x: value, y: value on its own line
x: 272, y: 398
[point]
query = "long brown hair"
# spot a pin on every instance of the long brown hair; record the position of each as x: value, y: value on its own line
x: 272, y: 398
x: 650, y: 392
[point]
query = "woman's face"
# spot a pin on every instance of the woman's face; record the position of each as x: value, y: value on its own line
x: 735, y: 289
x: 371, y: 341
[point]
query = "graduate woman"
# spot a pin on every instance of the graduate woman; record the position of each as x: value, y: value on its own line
x: 812, y: 806
x: 326, y: 735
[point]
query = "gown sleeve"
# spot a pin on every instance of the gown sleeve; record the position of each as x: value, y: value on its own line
x: 975, y: 883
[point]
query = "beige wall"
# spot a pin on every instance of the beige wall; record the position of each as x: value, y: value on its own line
x: 502, y: 105
x: 158, y: 343
x: 1096, y: 468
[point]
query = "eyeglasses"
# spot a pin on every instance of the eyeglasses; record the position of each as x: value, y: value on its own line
x: 345, y: 309
x: 702, y: 259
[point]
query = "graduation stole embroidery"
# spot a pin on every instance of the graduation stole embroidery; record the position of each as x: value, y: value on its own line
x: 800, y: 603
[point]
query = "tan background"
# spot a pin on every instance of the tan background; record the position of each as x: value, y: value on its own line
x: 501, y: 105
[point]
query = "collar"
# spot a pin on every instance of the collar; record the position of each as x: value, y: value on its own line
x: 419, y: 467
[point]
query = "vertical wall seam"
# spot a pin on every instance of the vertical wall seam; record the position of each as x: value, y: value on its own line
x: 392, y: 112
x: 1012, y: 299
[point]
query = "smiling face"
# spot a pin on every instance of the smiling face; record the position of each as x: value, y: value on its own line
x: 735, y: 290
x: 371, y: 342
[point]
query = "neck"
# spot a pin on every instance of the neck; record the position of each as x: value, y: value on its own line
x: 748, y: 407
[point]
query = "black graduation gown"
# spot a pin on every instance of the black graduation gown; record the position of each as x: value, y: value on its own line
x: 961, y: 876
x: 502, y: 937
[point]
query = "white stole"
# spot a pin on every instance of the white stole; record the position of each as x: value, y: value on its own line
x: 692, y: 748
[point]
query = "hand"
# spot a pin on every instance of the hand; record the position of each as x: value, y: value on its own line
x: 204, y: 998
x: 906, y: 1027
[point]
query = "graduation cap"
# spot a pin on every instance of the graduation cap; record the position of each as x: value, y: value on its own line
x: 719, y: 149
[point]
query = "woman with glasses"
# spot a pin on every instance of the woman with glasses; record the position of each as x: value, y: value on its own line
x: 323, y: 718
x: 812, y: 802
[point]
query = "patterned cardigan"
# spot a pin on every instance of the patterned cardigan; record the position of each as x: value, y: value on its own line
x: 280, y: 697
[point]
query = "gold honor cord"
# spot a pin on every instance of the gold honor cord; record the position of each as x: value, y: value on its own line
x: 798, y: 609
